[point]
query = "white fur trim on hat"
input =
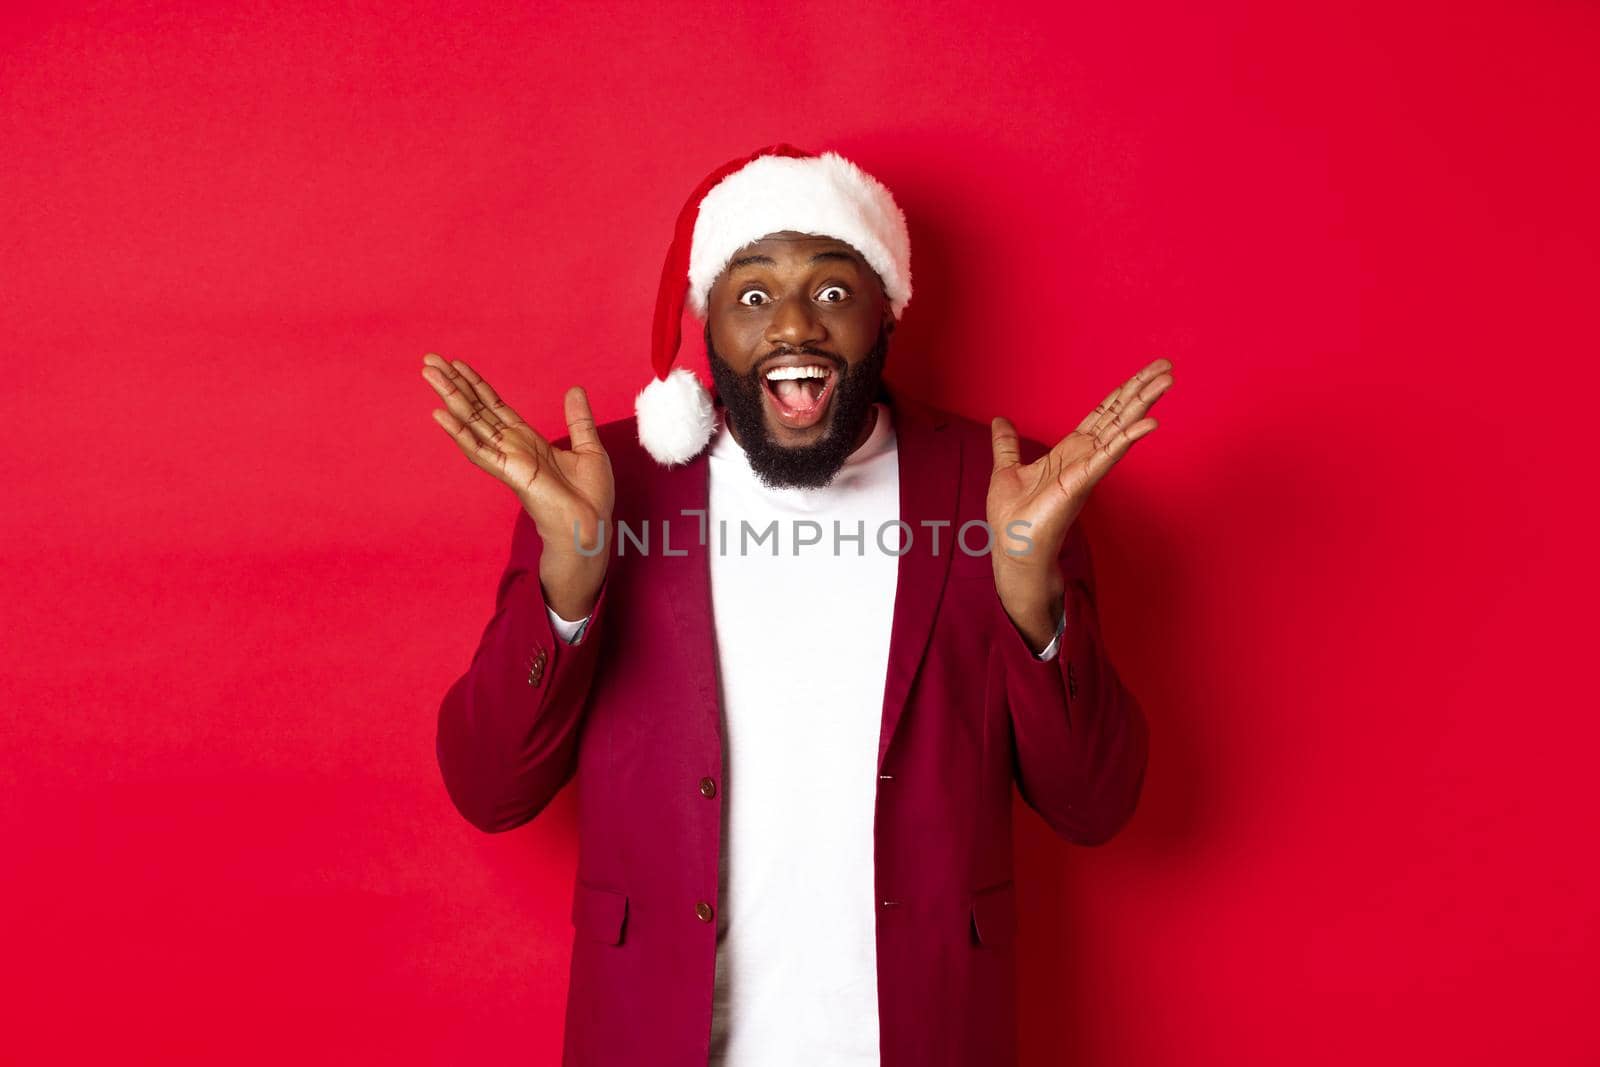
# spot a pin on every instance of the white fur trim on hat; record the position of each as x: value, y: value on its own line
x: 674, y: 417
x: 825, y: 195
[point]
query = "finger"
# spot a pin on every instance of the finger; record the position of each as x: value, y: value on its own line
x: 1108, y: 408
x: 1132, y: 409
x: 1088, y: 422
x: 1003, y: 442
x: 580, y: 422
x: 449, y: 371
x: 1116, y: 412
x: 481, y: 453
x: 1106, y: 455
x: 489, y: 417
x: 462, y: 399
x: 491, y: 399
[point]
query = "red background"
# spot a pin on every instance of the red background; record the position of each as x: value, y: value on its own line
x: 1350, y: 577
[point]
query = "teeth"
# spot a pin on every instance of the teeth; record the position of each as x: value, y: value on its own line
x: 783, y: 374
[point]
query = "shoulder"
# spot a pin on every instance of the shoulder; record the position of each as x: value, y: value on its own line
x: 974, y: 434
x: 643, y: 485
x: 976, y: 438
x: 620, y: 439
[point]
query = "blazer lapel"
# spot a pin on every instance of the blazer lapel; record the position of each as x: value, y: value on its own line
x: 685, y: 578
x: 930, y: 482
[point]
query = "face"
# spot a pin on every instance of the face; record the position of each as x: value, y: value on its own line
x: 797, y: 333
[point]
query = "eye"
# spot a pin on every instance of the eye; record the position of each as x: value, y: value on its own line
x: 844, y: 294
x: 752, y: 292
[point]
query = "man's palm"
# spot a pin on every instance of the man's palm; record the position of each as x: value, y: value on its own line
x: 563, y: 490
x: 1048, y: 493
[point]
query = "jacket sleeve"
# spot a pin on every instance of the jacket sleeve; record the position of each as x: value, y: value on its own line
x: 1080, y: 737
x: 508, y: 728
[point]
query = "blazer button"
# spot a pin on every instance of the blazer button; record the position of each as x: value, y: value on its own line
x: 703, y: 910
x: 708, y: 788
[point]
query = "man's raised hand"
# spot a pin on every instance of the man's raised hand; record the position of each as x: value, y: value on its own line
x: 568, y: 493
x: 1047, y: 494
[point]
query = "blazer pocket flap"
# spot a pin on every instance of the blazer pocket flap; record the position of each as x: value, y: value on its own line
x: 994, y: 915
x: 599, y: 914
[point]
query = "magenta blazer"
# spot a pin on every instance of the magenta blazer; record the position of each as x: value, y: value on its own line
x: 631, y: 714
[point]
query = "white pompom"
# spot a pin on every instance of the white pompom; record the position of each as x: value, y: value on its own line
x: 675, y: 417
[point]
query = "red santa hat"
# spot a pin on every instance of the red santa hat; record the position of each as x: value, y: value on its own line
x: 776, y: 188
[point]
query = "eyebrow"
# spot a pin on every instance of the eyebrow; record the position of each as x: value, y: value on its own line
x: 745, y: 261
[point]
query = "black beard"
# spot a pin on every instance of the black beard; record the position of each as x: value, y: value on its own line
x: 806, y: 466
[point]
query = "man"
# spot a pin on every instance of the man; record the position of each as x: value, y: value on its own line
x: 795, y: 643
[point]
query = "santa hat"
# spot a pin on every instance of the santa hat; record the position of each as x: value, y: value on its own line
x: 776, y: 188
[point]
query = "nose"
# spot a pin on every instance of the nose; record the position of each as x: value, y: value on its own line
x: 795, y: 323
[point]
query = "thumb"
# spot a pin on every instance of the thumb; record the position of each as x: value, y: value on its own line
x: 1003, y: 440
x: 580, y: 422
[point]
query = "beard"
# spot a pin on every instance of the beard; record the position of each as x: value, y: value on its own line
x: 805, y: 466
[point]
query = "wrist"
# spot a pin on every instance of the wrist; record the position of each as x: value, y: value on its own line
x: 1033, y: 599
x: 571, y: 586
x: 1037, y: 627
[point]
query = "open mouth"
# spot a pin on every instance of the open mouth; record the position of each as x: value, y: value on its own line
x: 798, y: 393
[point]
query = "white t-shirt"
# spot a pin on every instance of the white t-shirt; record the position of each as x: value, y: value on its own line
x: 802, y: 651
